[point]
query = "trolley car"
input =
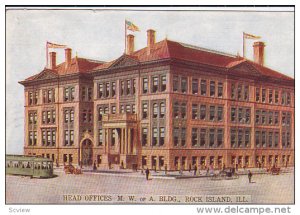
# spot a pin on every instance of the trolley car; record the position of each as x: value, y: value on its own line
x: 29, y: 166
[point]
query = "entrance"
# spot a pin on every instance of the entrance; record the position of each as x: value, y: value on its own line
x: 87, y: 153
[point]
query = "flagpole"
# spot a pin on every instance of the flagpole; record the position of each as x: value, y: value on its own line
x: 125, y: 37
x: 47, y: 54
x: 243, y: 44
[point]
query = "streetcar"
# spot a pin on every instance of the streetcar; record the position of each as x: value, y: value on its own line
x: 32, y: 166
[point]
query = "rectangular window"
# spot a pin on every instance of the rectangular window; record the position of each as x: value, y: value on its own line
x: 194, y: 136
x: 248, y: 115
x: 203, y: 87
x: 66, y: 137
x: 203, y: 137
x: 175, y: 83
x: 283, y: 141
x: 270, y: 139
x: 144, y: 136
x: 155, y: 110
x: 100, y: 90
x: 276, y: 139
x: 211, y: 137
x: 133, y: 86
x: 240, y: 115
x: 107, y: 89
x: 263, y: 95
x: 220, y: 114
x: 240, y: 138
x: 263, y: 139
x: 257, y: 139
x: 128, y: 86
x: 195, y: 86
x: 220, y: 138
x: 176, y: 136
x: 239, y: 92
x: 145, y: 85
x: 183, y: 110
x: 263, y: 117
x: 154, y: 136
x: 220, y: 89
x: 233, y: 138
x: 212, y: 113
x: 270, y: 96
x: 145, y: 110
x: 100, y: 143
x: 257, y: 94
x: 113, y: 89
x: 128, y: 108
x: 233, y: 114
x: 44, y: 137
x: 154, y: 84
x: 163, y: 80
x: 183, y: 85
x: 162, y: 110
x: 183, y: 136
x: 202, y: 112
x: 246, y: 92
x: 276, y: 118
x: 71, y: 137
x: 257, y: 116
x: 270, y: 118
x: 283, y: 97
x: 288, y: 98
x: 122, y: 88
x: 212, y: 88
x: 233, y: 91
x: 161, y: 136
x: 276, y: 96
x: 113, y: 109
x: 247, y: 138
x: 194, y: 111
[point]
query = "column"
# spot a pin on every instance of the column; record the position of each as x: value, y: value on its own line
x: 126, y: 140
x: 122, y: 142
x: 129, y: 141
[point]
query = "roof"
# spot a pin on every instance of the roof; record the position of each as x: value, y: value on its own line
x: 166, y: 49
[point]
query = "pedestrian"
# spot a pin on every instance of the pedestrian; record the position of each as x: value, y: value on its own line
x: 249, y: 175
x: 94, y: 167
x: 147, y: 174
x: 166, y: 170
x: 195, y: 170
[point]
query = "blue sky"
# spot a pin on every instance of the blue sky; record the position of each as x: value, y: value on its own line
x: 99, y: 34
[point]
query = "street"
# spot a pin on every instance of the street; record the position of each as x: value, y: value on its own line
x: 265, y: 188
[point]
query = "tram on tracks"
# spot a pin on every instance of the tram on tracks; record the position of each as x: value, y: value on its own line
x: 32, y: 166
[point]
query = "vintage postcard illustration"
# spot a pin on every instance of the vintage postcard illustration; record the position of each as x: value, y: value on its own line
x: 149, y: 105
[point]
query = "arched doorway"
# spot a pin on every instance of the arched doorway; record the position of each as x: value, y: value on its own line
x: 87, y: 152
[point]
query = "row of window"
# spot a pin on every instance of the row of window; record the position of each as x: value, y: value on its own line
x: 179, y: 110
x: 240, y: 91
x: 158, y: 109
x: 107, y: 89
x: 266, y: 138
x: 215, y: 89
x: 86, y: 93
x: 32, y: 118
x: 48, y: 117
x: 158, y: 84
x: 240, y: 138
x: 240, y: 114
x: 48, y: 137
x: 158, y: 136
x: 127, y: 87
x: 205, y: 112
x: 207, y: 137
x: 272, y: 96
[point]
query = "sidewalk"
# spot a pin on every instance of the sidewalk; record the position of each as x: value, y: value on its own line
x: 170, y: 174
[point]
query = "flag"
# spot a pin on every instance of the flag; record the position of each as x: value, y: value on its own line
x: 130, y: 26
x: 250, y: 36
x: 53, y: 45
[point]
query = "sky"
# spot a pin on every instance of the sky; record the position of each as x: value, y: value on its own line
x: 99, y: 34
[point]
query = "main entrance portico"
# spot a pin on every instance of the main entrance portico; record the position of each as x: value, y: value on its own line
x: 120, y: 140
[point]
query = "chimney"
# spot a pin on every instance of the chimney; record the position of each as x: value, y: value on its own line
x: 150, y: 39
x: 52, y: 60
x: 130, y: 44
x: 68, y: 56
x: 258, y: 52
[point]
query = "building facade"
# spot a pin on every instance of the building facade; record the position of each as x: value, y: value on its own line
x: 169, y: 105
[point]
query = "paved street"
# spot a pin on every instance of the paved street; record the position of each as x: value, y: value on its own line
x: 265, y: 189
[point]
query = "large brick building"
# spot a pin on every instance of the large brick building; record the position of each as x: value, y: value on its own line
x: 168, y: 104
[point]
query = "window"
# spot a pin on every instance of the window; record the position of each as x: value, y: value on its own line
x: 163, y: 80
x: 246, y: 92
x: 133, y: 86
x: 257, y: 116
x: 211, y: 137
x: 162, y: 110
x: 183, y: 110
x: 283, y: 97
x: 233, y: 114
x: 233, y: 91
x: 155, y: 110
x: 83, y: 94
x: 263, y: 139
x: 270, y: 139
x: 219, y: 137
x: 270, y: 117
x: 144, y: 110
x: 220, y: 114
x: 203, y: 87
x: 133, y: 108
x: 122, y: 109
x: 276, y: 96
x: 240, y: 115
x: 195, y: 86
x: 257, y: 139
x: 68, y: 115
x: 122, y: 88
x: 100, y: 143
x: 161, y: 136
x: 240, y: 138
x: 276, y: 139
x: 233, y: 138
x: 194, y: 136
x: 202, y: 137
x: 239, y: 92
x: 144, y: 136
x: 220, y: 89
x: 202, y: 112
x: 128, y: 108
x: 194, y: 111
x: 145, y: 85
x: 276, y: 117
x: 113, y: 137
x: 154, y: 84
x: 107, y: 89
x: 176, y: 110
x: 183, y: 85
x: 154, y: 137
x: 288, y: 98
x: 247, y: 138
x: 212, y: 113
x: 100, y: 90
x: 263, y: 95
x: 257, y: 94
x: 48, y: 96
x: 128, y: 87
x: 270, y: 96
x: 176, y: 136
x: 175, y: 83
x: 183, y: 136
x: 212, y: 88
x: 69, y: 93
x: 248, y: 115
x: 113, y: 109
x: 263, y: 117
